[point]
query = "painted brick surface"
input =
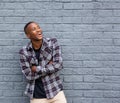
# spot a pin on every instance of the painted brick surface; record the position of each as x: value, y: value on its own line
x: 89, y: 34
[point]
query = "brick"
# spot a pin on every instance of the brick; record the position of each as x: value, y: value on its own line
x: 13, y: 35
x: 52, y: 5
x: 103, y: 42
x: 17, y: 1
x: 116, y: 87
x: 67, y: 13
x: 14, y: 19
x: 109, y: 0
x: 102, y: 27
x: 1, y: 78
x: 93, y: 93
x: 6, y: 85
x: 103, y: 13
x: 7, y: 12
x: 110, y: 94
x: 82, y: 42
x: 1, y: 93
x: 45, y: 20
x: 11, y: 64
x: 116, y: 71
x: 78, y: 6
x: 83, y: 13
x: 113, y: 5
x: 72, y: 20
x: 69, y: 64
x: 116, y: 27
x: 12, y: 78
x: 116, y: 13
x: 68, y: 70
x: 99, y: 35
x: 20, y: 85
x: 103, y: 20
x: 82, y: 100
x: 81, y: 27
x: 77, y: 13
x: 102, y: 100
x: 21, y: 100
x: 83, y: 56
x: 111, y: 49
x: 73, y: 78
x: 63, y: 27
x: 102, y: 71
x: 48, y: 27
x: 69, y: 100
x: 93, y: 79
x: 1, y: 19
x: 115, y: 100
x: 12, y: 93
x: 68, y: 86
x: 11, y: 49
x: 4, y: 42
x: 73, y: 93
x: 116, y: 41
x: 82, y: 71
x: 5, y: 100
x: 90, y: 49
x: 71, y: 49
x: 82, y: 86
x: 111, y: 79
x: 67, y: 57
x: 69, y: 35
x: 21, y: 42
x: 111, y: 64
x: 97, y: 57
x: 13, y: 5
x: 75, y: 0
x: 102, y: 86
x: 6, y: 57
x: 92, y: 64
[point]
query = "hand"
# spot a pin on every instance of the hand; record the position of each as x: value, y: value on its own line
x: 50, y: 62
x: 33, y: 68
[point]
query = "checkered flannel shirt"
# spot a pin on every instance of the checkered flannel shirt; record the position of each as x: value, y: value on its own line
x: 50, y: 50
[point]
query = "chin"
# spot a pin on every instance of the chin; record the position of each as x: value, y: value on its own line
x: 39, y: 39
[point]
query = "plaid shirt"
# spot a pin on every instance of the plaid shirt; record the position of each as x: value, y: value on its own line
x: 50, y: 50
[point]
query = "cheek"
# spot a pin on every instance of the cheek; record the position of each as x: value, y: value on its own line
x: 33, y: 33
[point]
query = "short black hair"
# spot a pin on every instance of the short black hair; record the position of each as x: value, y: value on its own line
x: 26, y: 25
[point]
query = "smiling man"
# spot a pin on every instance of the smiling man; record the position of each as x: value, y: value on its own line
x: 40, y: 61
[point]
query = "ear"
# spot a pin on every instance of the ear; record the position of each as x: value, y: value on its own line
x: 28, y: 35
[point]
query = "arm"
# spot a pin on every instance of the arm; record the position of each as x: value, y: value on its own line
x: 26, y: 69
x: 55, y: 64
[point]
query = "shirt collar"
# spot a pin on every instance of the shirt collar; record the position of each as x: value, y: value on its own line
x: 44, y: 44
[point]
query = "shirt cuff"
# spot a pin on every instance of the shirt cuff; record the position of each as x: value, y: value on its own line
x: 38, y: 69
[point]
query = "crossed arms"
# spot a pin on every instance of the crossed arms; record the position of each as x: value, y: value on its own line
x: 34, y: 72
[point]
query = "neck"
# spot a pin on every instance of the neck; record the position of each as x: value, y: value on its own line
x: 37, y: 44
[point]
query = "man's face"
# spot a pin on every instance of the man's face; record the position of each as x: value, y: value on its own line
x: 34, y: 32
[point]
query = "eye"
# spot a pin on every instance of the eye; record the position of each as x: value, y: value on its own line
x: 38, y: 27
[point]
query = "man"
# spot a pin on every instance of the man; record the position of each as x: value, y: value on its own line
x: 40, y: 61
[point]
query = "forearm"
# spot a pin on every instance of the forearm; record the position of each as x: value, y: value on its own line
x: 48, y: 69
x: 26, y: 68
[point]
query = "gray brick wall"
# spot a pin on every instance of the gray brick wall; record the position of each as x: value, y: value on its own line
x: 87, y: 30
